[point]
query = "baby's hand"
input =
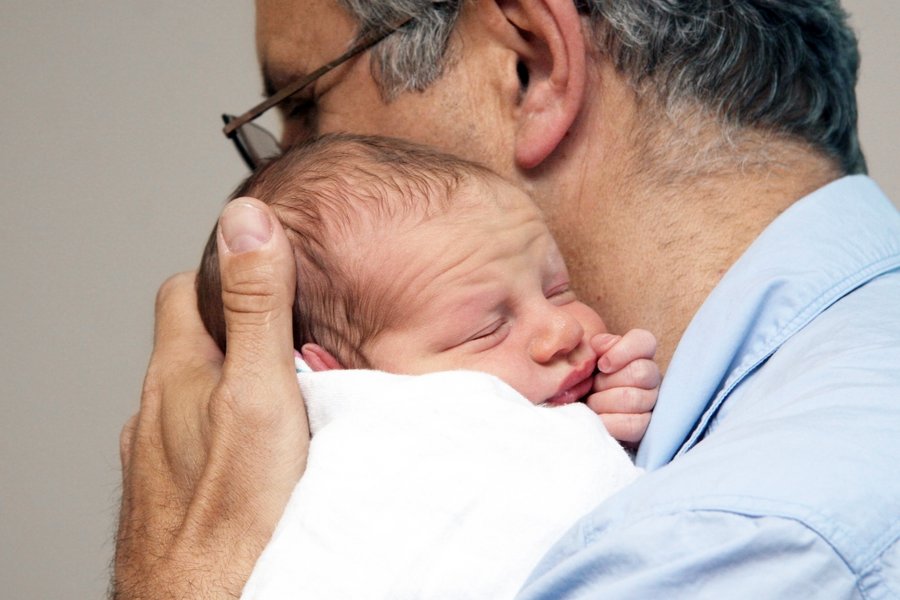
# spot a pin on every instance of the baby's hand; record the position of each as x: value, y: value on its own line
x: 625, y: 390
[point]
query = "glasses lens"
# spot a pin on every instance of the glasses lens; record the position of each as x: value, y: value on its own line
x: 259, y: 143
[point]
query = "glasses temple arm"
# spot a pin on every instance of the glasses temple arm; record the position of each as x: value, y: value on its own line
x: 301, y: 83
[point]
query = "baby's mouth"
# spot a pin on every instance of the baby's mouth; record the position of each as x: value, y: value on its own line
x: 575, y: 387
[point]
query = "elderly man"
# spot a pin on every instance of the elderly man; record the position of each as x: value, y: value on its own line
x: 698, y: 162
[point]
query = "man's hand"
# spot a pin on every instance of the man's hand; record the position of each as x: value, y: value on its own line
x: 211, y: 458
x: 626, y: 388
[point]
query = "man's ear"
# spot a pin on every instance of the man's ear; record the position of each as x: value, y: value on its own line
x: 552, y: 72
x: 318, y: 358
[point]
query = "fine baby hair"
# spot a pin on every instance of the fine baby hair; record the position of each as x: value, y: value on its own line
x: 327, y: 193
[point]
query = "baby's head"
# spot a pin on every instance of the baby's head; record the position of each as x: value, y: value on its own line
x: 335, y: 196
x: 411, y: 261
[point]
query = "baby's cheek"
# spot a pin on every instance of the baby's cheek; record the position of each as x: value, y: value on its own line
x: 523, y: 377
x: 590, y: 320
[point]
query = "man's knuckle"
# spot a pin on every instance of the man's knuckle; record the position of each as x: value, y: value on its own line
x: 171, y: 286
x: 230, y: 407
x: 249, y: 298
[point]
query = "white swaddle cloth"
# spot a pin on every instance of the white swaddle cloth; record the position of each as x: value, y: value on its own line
x: 442, y: 486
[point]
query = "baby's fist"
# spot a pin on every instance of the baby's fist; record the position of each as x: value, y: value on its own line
x: 626, y: 388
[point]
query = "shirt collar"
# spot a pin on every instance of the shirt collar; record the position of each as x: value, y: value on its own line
x: 821, y: 248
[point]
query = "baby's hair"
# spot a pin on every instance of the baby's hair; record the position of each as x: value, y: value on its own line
x: 323, y: 192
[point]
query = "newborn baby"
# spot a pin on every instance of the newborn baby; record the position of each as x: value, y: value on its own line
x: 435, y: 310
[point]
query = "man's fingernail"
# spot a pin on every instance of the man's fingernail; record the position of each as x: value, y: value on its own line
x: 244, y: 227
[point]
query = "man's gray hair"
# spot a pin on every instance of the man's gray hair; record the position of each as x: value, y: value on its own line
x: 785, y: 66
x: 409, y: 60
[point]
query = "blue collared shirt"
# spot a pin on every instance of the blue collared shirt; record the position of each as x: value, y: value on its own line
x: 774, y: 449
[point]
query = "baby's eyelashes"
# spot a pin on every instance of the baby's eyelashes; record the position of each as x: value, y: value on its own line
x: 490, y: 335
x: 560, y: 294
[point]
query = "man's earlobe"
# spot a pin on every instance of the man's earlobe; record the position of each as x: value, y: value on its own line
x: 552, y: 74
x: 318, y: 358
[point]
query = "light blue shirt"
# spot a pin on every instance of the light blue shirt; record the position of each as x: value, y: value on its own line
x: 780, y: 414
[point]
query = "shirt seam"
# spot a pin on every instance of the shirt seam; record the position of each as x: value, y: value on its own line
x: 803, y: 318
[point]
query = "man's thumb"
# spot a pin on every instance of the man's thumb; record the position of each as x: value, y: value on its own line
x: 258, y: 285
x: 258, y: 433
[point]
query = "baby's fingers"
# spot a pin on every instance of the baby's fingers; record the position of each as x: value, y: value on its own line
x: 625, y: 412
x: 641, y: 373
x: 623, y: 400
x: 628, y: 429
x: 634, y: 345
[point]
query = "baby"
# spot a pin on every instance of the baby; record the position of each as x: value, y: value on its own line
x: 413, y: 262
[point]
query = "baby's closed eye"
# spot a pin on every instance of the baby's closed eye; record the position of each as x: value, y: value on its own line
x: 560, y: 294
x: 490, y: 335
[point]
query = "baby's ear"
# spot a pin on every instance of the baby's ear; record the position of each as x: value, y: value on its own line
x: 318, y: 358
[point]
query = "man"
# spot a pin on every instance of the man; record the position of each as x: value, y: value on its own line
x: 668, y: 143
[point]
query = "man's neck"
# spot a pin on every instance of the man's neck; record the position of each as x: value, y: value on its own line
x: 696, y: 233
x: 645, y: 250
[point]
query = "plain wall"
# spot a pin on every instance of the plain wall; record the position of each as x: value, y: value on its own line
x: 113, y: 171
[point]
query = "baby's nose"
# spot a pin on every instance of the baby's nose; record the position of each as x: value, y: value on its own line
x: 557, y: 336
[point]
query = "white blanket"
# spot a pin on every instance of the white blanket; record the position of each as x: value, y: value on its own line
x: 448, y: 485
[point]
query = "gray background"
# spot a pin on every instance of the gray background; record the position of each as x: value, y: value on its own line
x: 111, y: 176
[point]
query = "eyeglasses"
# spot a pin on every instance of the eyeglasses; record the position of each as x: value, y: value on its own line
x: 255, y: 143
